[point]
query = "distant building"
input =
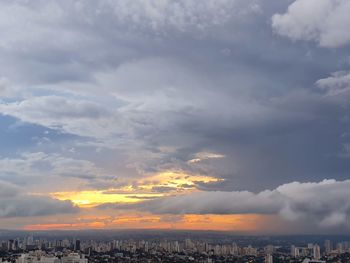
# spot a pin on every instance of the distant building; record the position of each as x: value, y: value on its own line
x: 308, y: 260
x: 234, y: 249
x: 32, y: 258
x: 316, y: 252
x: 77, y: 245
x: 340, y: 248
x: 49, y: 259
x: 26, y: 258
x: 328, y: 246
x: 268, y: 258
x: 269, y: 249
x: 10, y: 245
x: 74, y: 258
x: 294, y: 251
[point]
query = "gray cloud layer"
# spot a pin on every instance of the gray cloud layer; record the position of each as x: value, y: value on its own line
x: 139, y: 88
x: 154, y: 84
x: 14, y: 202
x: 326, y: 202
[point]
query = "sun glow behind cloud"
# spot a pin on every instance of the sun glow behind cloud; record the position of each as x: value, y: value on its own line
x: 166, y: 183
x: 158, y: 185
x: 93, y: 198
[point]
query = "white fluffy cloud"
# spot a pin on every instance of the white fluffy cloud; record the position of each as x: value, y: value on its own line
x: 14, y: 202
x: 337, y: 83
x: 323, y: 21
x: 326, y: 202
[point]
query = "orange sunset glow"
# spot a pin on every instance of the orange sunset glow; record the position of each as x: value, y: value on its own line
x: 174, y: 182
x: 171, y: 181
x: 146, y: 221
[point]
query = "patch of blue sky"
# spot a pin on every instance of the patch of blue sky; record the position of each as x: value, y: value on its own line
x: 17, y: 136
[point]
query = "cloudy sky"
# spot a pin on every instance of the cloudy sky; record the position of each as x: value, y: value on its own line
x: 176, y: 114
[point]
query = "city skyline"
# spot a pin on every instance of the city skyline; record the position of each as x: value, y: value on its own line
x: 225, y: 115
x: 202, y: 247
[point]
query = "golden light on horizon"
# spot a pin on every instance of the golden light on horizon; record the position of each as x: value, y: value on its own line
x: 154, y: 186
x: 246, y: 223
x: 93, y: 198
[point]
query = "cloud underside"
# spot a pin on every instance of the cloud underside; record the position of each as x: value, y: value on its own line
x: 14, y: 202
x: 326, y: 202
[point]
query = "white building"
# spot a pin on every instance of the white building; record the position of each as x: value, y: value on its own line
x: 74, y: 258
x: 26, y: 258
x: 328, y: 246
x: 316, y: 252
x: 268, y: 258
x: 294, y: 251
x: 70, y: 258
x: 49, y: 259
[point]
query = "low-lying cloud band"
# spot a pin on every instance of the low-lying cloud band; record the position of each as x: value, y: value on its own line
x: 326, y: 202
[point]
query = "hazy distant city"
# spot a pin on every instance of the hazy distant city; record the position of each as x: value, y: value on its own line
x: 169, y: 246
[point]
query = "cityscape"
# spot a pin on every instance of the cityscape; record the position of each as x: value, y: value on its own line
x: 174, y: 131
x: 148, y: 248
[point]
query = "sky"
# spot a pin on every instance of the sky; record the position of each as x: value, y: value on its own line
x: 226, y: 115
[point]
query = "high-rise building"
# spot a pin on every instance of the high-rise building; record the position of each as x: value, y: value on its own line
x: 316, y: 252
x: 30, y: 240
x: 269, y: 249
x: 188, y: 244
x: 268, y: 258
x: 10, y: 245
x: 294, y: 251
x: 234, y: 249
x: 340, y: 248
x: 328, y: 246
x: 77, y: 245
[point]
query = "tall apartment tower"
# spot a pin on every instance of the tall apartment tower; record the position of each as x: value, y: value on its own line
x: 328, y: 246
x: 316, y: 252
x: 268, y: 258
